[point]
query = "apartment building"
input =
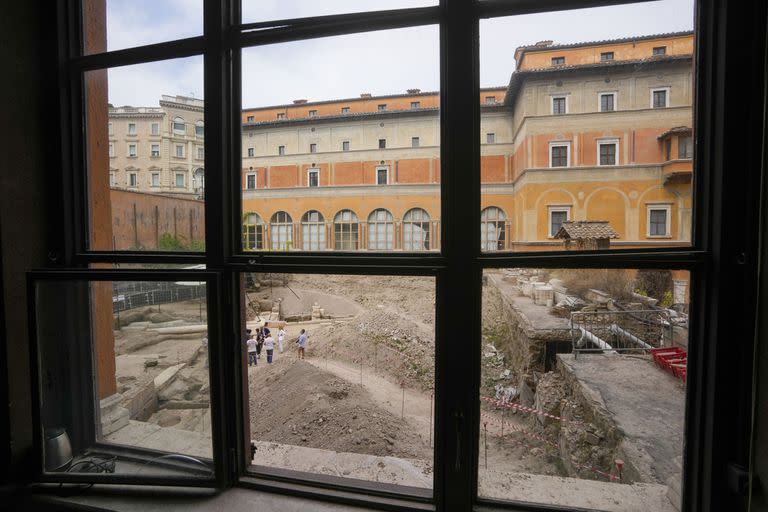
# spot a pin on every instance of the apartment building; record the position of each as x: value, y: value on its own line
x: 158, y: 149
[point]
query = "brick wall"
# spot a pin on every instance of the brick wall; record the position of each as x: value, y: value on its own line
x: 140, y: 219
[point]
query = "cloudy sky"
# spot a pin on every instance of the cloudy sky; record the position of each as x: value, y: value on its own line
x: 386, y: 62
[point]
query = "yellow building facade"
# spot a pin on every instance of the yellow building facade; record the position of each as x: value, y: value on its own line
x: 596, y: 131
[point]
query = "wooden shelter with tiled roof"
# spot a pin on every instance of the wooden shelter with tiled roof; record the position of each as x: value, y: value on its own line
x: 584, y: 235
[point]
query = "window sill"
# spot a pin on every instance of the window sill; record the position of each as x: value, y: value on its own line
x: 657, y: 237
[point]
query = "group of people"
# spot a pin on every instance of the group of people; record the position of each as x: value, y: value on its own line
x: 262, y: 339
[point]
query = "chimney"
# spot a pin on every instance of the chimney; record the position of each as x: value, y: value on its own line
x: 365, y: 95
x: 299, y: 102
x: 414, y: 91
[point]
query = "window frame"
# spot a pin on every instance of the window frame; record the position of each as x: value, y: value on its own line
x: 561, y: 143
x: 456, y: 491
x: 667, y: 90
x: 379, y: 169
x: 667, y: 208
x: 552, y: 100
x: 600, y: 95
x: 415, y: 142
x: 253, y: 175
x: 490, y: 137
x: 615, y: 142
x: 313, y: 171
x: 561, y: 208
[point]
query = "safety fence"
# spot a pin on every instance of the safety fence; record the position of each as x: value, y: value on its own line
x: 132, y: 295
x: 620, y: 331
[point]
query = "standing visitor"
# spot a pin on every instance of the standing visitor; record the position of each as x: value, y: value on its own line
x: 280, y: 339
x: 269, y: 345
x: 259, y: 342
x: 205, y: 348
x: 252, y: 346
x: 302, y: 343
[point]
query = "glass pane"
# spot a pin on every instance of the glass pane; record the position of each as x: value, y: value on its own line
x: 324, y: 153
x: 145, y: 157
x: 357, y: 401
x: 604, y: 138
x: 125, y: 379
x: 257, y: 10
x: 110, y: 25
x: 583, y: 386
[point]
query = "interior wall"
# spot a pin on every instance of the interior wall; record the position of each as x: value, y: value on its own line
x: 29, y: 125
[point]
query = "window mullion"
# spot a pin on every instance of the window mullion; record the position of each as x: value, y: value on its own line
x: 458, y: 301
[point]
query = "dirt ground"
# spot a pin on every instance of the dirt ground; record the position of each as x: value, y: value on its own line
x: 294, y: 402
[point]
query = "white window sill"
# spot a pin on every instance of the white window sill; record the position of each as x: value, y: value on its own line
x: 657, y: 237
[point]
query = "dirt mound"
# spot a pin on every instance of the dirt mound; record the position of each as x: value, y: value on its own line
x: 385, y: 340
x: 295, y: 403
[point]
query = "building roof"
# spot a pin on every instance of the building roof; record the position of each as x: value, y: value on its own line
x: 677, y: 130
x: 518, y: 77
x: 586, y: 229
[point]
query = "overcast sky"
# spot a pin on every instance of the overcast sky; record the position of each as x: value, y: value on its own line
x: 387, y: 62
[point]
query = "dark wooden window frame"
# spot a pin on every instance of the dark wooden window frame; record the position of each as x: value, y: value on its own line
x: 720, y: 259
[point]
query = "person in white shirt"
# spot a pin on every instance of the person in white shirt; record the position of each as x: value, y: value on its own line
x: 269, y: 345
x: 251, y: 342
x: 205, y: 348
x: 280, y: 339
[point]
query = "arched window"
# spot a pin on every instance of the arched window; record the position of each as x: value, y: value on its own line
x: 381, y: 230
x: 416, y: 230
x: 312, y: 231
x: 179, y: 128
x: 199, y: 129
x: 492, y: 229
x: 345, y: 230
x: 253, y: 232
x: 281, y: 227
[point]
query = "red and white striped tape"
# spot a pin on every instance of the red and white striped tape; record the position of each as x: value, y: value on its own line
x: 530, y: 410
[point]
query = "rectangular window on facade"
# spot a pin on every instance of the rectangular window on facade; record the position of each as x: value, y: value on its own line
x: 313, y: 148
x: 112, y: 179
x: 685, y: 147
x: 155, y: 150
x: 415, y: 104
x: 201, y: 153
x: 179, y: 180
x: 414, y: 142
x: 606, y: 56
x: 179, y: 150
x: 281, y: 115
x: 607, y: 152
x: 313, y: 113
x: 154, y: 129
x: 133, y: 179
x: 179, y: 128
x: 345, y: 145
x: 668, y: 149
x: 490, y: 138
x: 558, y: 155
x: 559, y: 105
x: 557, y: 215
x: 111, y: 150
x: 490, y: 100
x: 382, y: 107
x: 199, y: 130
x: 558, y: 61
x: 382, y: 176
x: 660, y: 50
x: 132, y: 150
x: 313, y: 178
x: 659, y: 220
x: 250, y: 151
x: 250, y: 181
x: 345, y: 110
x: 659, y: 98
x: 249, y: 119
x: 281, y: 150
x: 382, y: 143
x: 607, y: 101
x: 131, y: 128
x: 110, y: 129
x: 155, y: 179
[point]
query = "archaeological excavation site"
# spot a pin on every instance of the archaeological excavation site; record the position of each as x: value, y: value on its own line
x: 582, y: 387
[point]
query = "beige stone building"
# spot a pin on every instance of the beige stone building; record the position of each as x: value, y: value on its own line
x: 158, y: 149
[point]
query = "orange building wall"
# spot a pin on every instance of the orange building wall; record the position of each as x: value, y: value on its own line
x: 537, y: 59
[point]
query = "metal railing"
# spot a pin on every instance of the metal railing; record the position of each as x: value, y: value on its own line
x: 132, y: 295
x: 620, y: 331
